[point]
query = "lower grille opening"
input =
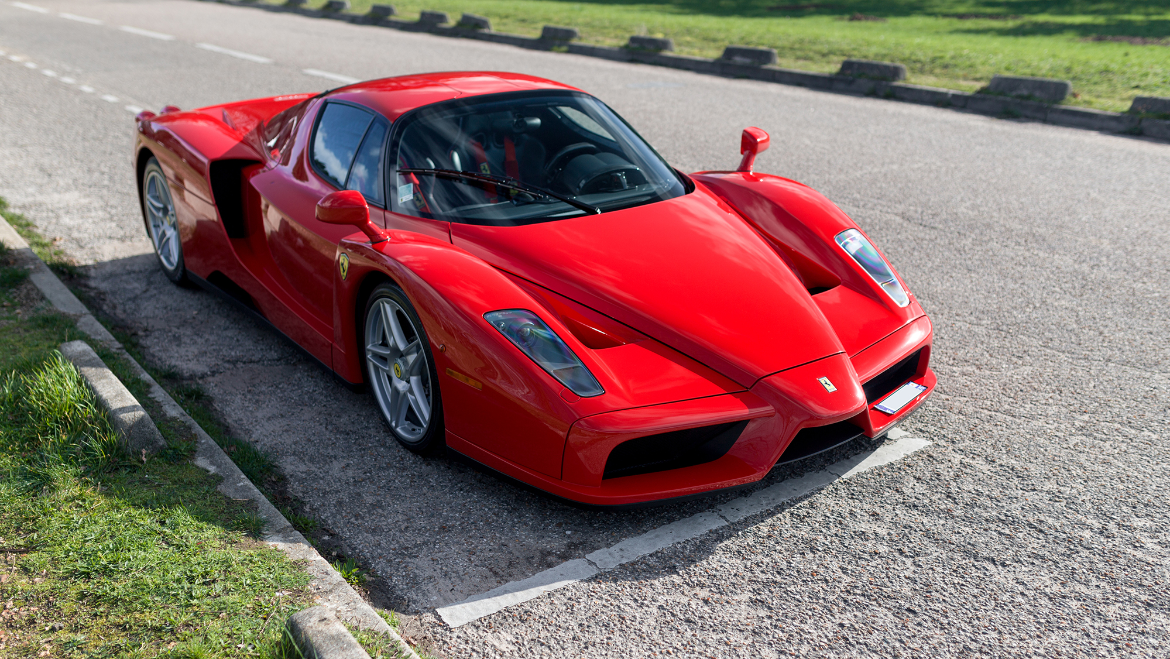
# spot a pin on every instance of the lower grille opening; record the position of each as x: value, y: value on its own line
x: 811, y: 441
x: 672, y: 450
x: 892, y: 378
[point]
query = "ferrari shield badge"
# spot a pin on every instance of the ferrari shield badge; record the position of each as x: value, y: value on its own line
x: 824, y: 382
x: 343, y: 265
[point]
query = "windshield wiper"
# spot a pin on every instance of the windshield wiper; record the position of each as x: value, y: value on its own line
x: 506, y: 182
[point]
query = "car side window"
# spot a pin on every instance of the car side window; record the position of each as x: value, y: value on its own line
x: 335, y: 143
x: 366, y: 174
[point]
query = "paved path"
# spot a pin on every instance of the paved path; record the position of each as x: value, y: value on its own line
x: 1035, y: 522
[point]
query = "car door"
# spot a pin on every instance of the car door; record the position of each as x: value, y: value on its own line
x: 345, y: 150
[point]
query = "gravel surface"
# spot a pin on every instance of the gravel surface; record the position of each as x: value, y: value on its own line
x: 1035, y: 524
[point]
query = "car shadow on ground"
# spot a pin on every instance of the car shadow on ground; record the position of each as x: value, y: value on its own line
x: 429, y: 531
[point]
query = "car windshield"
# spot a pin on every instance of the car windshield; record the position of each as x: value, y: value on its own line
x: 522, y: 158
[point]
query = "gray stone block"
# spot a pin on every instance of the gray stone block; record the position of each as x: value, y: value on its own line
x: 1047, y: 90
x: 1090, y: 119
x: 473, y: 22
x: 553, y: 33
x: 749, y: 55
x: 320, y: 635
x: 382, y: 11
x: 136, y: 431
x: 336, y: 5
x: 295, y: 3
x: 433, y: 18
x: 859, y: 68
x: 650, y: 43
x: 1007, y: 108
x: 923, y: 95
x: 1150, y: 105
x: 1159, y: 128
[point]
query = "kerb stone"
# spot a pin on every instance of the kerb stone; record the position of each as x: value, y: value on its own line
x: 553, y: 33
x: 433, y: 18
x: 336, y: 5
x: 320, y: 635
x: 1047, y: 90
x: 749, y: 55
x: 1150, y: 105
x: 859, y: 68
x: 136, y: 431
x: 474, y: 22
x: 382, y: 11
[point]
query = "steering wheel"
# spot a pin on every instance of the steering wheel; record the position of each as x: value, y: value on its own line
x: 562, y: 158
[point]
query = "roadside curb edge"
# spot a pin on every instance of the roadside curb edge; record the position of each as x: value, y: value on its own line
x: 328, y: 586
x: 992, y: 105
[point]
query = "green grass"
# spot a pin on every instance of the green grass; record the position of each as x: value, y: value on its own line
x: 1045, y: 38
x: 102, y: 555
x: 50, y: 253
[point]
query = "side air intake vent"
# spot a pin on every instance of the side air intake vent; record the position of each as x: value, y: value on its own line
x: 810, y: 441
x: 891, y: 378
x: 672, y: 450
x: 227, y: 186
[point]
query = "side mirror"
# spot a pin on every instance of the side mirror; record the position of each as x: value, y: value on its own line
x: 754, y: 142
x: 348, y: 207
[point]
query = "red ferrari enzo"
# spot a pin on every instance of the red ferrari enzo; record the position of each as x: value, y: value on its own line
x: 516, y: 275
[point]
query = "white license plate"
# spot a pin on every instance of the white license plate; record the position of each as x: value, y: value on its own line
x: 900, y: 398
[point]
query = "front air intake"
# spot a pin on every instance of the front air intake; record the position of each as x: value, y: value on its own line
x: 811, y: 441
x: 891, y: 378
x: 672, y: 450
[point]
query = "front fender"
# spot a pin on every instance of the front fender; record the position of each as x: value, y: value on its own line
x: 493, y: 396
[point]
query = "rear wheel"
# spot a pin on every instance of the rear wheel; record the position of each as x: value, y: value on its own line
x: 161, y: 224
x: 401, y: 370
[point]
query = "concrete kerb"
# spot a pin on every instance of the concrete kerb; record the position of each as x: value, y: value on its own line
x: 1011, y: 108
x: 329, y: 588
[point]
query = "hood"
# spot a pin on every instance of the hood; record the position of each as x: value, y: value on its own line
x: 688, y: 272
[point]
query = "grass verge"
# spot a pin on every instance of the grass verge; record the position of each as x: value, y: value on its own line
x: 1111, y: 50
x: 106, y: 556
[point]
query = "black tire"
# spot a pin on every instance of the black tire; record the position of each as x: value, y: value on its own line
x: 162, y: 228
x: 391, y: 370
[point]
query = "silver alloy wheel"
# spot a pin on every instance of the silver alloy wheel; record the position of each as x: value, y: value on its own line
x: 398, y: 369
x: 160, y: 218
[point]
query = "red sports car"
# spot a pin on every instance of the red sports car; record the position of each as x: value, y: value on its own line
x: 516, y: 275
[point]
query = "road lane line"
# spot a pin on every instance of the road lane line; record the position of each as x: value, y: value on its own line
x: 25, y: 5
x: 67, y: 80
x: 30, y: 65
x: 330, y: 76
x: 86, y: 88
x: 81, y: 19
x: 234, y: 53
x: 147, y: 33
x: 109, y: 98
x: 134, y: 109
x: 51, y: 74
x: 631, y: 549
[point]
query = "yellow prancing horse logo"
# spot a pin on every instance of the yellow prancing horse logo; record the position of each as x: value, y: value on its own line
x: 827, y: 384
x: 343, y: 265
x: 398, y: 370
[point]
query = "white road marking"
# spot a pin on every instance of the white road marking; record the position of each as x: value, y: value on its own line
x: 51, y: 74
x: 86, y: 88
x: 330, y: 76
x: 25, y: 5
x: 234, y: 53
x: 15, y: 58
x: 67, y: 80
x: 630, y: 549
x: 81, y: 19
x: 109, y: 98
x: 147, y: 33
x: 134, y: 109
x: 30, y: 65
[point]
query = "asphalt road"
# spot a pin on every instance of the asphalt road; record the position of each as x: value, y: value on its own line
x: 1036, y: 522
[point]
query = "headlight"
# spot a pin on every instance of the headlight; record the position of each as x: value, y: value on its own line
x: 529, y: 333
x: 858, y: 247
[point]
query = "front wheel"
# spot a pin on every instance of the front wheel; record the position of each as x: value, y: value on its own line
x: 401, y: 370
x: 162, y: 226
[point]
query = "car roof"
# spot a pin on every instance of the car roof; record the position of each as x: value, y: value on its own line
x: 395, y: 96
